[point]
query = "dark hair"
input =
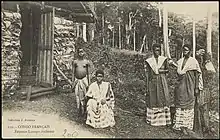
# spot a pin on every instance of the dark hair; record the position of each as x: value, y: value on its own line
x: 99, y: 72
x: 156, y: 45
x: 188, y: 46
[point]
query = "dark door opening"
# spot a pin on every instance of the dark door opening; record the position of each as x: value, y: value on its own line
x: 30, y: 17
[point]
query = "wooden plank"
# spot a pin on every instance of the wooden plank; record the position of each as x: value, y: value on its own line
x: 52, y: 45
x: 43, y: 90
x: 209, y: 32
x: 31, y: 40
x: 40, y: 50
x: 39, y: 94
x: 119, y: 34
x: 64, y: 76
x: 134, y: 36
x: 44, y: 51
x: 113, y: 38
x: 84, y: 31
x: 45, y: 84
x: 48, y: 51
x: 29, y: 93
x: 165, y: 32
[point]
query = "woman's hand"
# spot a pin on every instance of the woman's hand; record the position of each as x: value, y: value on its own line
x: 103, y: 101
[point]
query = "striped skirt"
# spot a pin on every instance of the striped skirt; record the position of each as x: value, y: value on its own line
x: 158, y: 116
x: 183, y: 118
x: 99, y: 116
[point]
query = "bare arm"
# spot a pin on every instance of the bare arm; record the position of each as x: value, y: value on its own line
x: 146, y: 69
x: 88, y: 71
x: 73, y: 71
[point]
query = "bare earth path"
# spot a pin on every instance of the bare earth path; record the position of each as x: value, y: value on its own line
x: 57, y: 113
x: 57, y: 127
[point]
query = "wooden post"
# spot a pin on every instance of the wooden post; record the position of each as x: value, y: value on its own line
x: 218, y: 49
x: 84, y: 32
x: 45, y: 49
x: 134, y: 35
x: 103, y: 29
x: 119, y: 34
x: 194, y: 39
x: 52, y: 45
x: 91, y: 29
x: 113, y: 38
x: 209, y: 66
x: 29, y: 93
x: 160, y: 22
x: 209, y: 33
x: 165, y: 32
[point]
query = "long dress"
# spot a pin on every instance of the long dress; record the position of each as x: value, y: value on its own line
x: 98, y: 115
x: 189, y: 79
x: 157, y: 110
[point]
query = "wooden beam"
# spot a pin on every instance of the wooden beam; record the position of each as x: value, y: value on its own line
x: 64, y: 76
x: 119, y: 34
x: 29, y: 93
x: 39, y: 94
x: 165, y: 32
x: 84, y: 31
x: 103, y: 29
x: 134, y: 35
x: 209, y: 33
x: 113, y: 38
x: 52, y: 45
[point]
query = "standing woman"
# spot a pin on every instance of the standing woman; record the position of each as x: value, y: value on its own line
x: 187, y: 90
x: 158, y: 100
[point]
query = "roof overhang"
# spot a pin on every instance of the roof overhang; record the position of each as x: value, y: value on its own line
x: 75, y: 10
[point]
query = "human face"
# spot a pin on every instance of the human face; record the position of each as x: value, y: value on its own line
x: 156, y: 51
x: 186, y: 51
x: 81, y: 52
x: 99, y: 78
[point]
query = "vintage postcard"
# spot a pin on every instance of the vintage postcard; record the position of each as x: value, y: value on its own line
x: 110, y: 69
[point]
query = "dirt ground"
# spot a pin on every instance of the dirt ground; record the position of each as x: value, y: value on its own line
x: 59, y: 111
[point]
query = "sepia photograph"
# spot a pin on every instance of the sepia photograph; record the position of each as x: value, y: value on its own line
x: 99, y: 69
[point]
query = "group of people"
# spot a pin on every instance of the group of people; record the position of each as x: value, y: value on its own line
x: 186, y: 93
x: 96, y: 101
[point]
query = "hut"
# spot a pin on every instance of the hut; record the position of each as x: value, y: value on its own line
x: 29, y: 38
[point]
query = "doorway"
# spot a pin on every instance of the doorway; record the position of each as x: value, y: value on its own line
x: 37, y: 39
x: 29, y: 37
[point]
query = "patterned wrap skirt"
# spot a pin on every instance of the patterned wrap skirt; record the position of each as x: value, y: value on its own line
x: 99, y: 116
x: 183, y: 118
x: 158, y: 116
